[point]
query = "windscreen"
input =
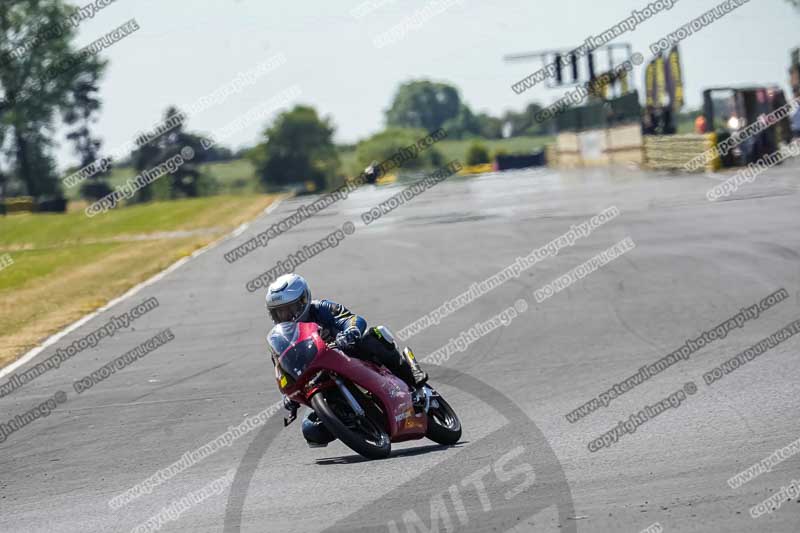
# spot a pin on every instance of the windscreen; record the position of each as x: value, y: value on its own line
x: 295, y: 360
x: 282, y: 336
x: 292, y: 356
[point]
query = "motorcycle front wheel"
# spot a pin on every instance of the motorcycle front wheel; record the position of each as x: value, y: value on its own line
x: 364, y: 435
x: 444, y: 427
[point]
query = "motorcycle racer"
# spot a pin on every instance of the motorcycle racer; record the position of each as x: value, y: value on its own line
x: 289, y: 300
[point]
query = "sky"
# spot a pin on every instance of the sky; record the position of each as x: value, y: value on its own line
x: 186, y: 49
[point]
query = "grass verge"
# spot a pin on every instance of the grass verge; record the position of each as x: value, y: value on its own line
x: 66, y: 266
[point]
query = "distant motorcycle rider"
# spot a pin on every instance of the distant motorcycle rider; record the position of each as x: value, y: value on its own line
x: 372, y: 173
x: 289, y: 300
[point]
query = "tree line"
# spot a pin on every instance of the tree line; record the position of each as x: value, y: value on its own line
x: 38, y: 100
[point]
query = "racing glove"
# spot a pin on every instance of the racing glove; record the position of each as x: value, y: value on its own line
x: 348, y: 338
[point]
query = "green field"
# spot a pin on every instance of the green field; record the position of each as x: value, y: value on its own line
x: 239, y: 176
x: 457, y: 149
x: 515, y: 145
x: 53, y: 230
x: 66, y: 265
x: 233, y: 177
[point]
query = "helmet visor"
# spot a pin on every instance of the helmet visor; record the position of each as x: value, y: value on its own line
x: 288, y: 312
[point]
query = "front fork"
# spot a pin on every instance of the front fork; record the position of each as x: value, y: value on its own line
x: 428, y: 395
x: 348, y: 396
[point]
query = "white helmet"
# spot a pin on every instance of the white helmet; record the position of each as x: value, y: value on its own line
x: 288, y: 299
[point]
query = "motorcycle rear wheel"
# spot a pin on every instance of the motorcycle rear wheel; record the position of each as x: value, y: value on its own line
x: 364, y: 435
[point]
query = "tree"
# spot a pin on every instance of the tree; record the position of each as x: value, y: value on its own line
x: 81, y: 113
x: 36, y: 84
x: 464, y: 124
x: 186, y: 180
x: 384, y: 145
x: 430, y: 106
x: 298, y: 147
x: 423, y: 104
x: 220, y: 153
x: 477, y: 154
x: 524, y: 122
x: 489, y: 127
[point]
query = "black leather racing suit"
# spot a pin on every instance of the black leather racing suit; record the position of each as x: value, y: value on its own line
x: 335, y: 319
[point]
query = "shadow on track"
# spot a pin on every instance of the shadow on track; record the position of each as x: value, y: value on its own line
x: 408, y: 452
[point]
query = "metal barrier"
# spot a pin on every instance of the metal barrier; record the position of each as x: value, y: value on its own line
x: 28, y: 204
x: 21, y: 204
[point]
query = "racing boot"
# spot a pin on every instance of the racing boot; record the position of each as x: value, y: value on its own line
x: 315, y: 433
x: 420, y: 376
x: 379, y: 345
x: 418, y: 380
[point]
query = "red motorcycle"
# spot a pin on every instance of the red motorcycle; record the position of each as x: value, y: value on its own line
x: 361, y: 403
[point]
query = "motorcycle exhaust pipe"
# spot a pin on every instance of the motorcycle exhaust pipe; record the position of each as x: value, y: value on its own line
x: 354, y: 405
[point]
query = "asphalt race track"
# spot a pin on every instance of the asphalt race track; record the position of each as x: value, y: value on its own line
x: 522, y: 466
